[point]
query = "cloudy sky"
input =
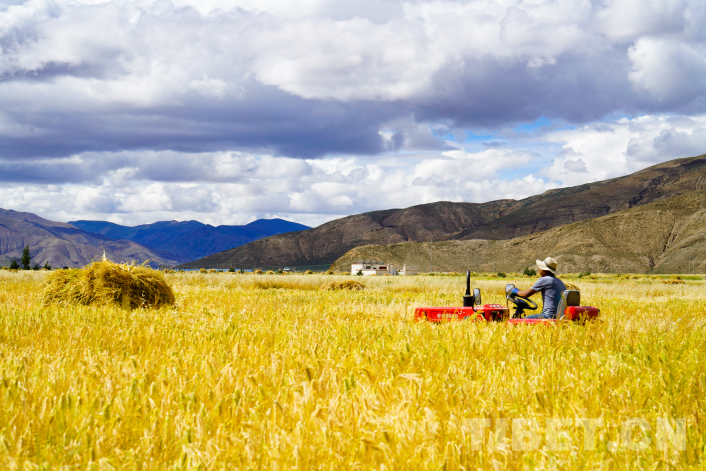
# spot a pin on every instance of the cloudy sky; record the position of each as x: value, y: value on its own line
x: 226, y: 111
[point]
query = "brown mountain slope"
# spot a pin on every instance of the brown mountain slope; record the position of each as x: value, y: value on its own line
x: 566, y: 205
x: 659, y: 237
x: 323, y: 244
x: 62, y: 244
x: 503, y: 219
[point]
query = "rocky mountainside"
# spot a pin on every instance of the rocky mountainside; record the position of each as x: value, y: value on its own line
x: 62, y: 244
x: 495, y: 220
x: 666, y: 236
x: 566, y: 205
x: 324, y: 244
x: 190, y: 240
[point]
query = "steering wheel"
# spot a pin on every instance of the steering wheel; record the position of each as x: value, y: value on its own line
x: 522, y: 302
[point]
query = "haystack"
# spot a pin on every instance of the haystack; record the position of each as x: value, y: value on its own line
x: 350, y: 284
x: 105, y: 282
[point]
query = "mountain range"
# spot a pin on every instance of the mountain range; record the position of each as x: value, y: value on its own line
x: 78, y: 243
x: 582, y: 224
x: 61, y: 244
x: 190, y: 240
x: 445, y: 221
x: 665, y: 236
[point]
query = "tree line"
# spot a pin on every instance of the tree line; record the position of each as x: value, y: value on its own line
x: 26, y: 260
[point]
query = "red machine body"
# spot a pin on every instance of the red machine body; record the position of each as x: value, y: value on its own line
x: 576, y: 313
x: 496, y: 312
x: 571, y: 313
x: 487, y: 312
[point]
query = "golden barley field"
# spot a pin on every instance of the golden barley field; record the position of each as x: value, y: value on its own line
x: 274, y: 372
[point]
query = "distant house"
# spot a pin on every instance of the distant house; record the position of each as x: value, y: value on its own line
x: 408, y: 271
x: 368, y: 267
x: 289, y: 270
x: 377, y: 267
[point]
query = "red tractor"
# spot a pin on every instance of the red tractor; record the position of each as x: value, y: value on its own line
x: 569, y: 309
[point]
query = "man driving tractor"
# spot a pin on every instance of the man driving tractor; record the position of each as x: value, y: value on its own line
x: 550, y: 286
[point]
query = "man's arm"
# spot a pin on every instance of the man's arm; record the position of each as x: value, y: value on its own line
x: 527, y: 293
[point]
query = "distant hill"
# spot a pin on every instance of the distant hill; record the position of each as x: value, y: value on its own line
x: 190, y: 240
x: 666, y: 236
x: 562, y: 206
x: 495, y: 220
x: 324, y: 244
x: 62, y: 244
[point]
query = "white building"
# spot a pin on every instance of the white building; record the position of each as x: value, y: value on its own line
x: 368, y: 268
x: 408, y: 271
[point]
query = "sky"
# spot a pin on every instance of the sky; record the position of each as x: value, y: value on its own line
x: 227, y: 111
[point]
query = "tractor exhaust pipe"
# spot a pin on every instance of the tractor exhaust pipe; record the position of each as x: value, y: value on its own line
x: 468, y: 298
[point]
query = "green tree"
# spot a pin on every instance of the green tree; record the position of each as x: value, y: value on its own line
x: 47, y: 266
x: 26, y: 258
x: 14, y: 265
x: 35, y: 267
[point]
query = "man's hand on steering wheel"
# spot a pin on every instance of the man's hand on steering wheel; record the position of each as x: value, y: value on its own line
x: 521, y: 298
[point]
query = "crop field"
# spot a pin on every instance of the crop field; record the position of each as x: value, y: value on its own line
x: 276, y: 372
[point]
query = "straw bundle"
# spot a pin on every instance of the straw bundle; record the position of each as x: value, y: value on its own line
x: 350, y: 284
x: 105, y: 282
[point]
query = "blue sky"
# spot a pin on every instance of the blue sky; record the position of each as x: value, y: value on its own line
x: 227, y: 111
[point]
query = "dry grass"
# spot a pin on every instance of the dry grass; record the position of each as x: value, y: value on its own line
x: 105, y: 282
x: 349, y: 285
x: 298, y: 377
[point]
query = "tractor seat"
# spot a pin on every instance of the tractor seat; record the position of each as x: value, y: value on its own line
x: 569, y: 297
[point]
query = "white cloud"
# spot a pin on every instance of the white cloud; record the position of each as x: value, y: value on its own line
x: 351, y: 50
x: 669, y: 70
x: 628, y: 19
x: 606, y: 150
x: 238, y: 187
x: 343, y: 60
x: 228, y: 110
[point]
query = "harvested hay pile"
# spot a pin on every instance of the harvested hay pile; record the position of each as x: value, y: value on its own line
x: 105, y: 282
x: 350, y: 284
x: 572, y: 286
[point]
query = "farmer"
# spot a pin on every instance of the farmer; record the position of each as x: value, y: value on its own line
x: 550, y: 286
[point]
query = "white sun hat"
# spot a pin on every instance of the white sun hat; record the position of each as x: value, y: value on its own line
x: 548, y: 264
